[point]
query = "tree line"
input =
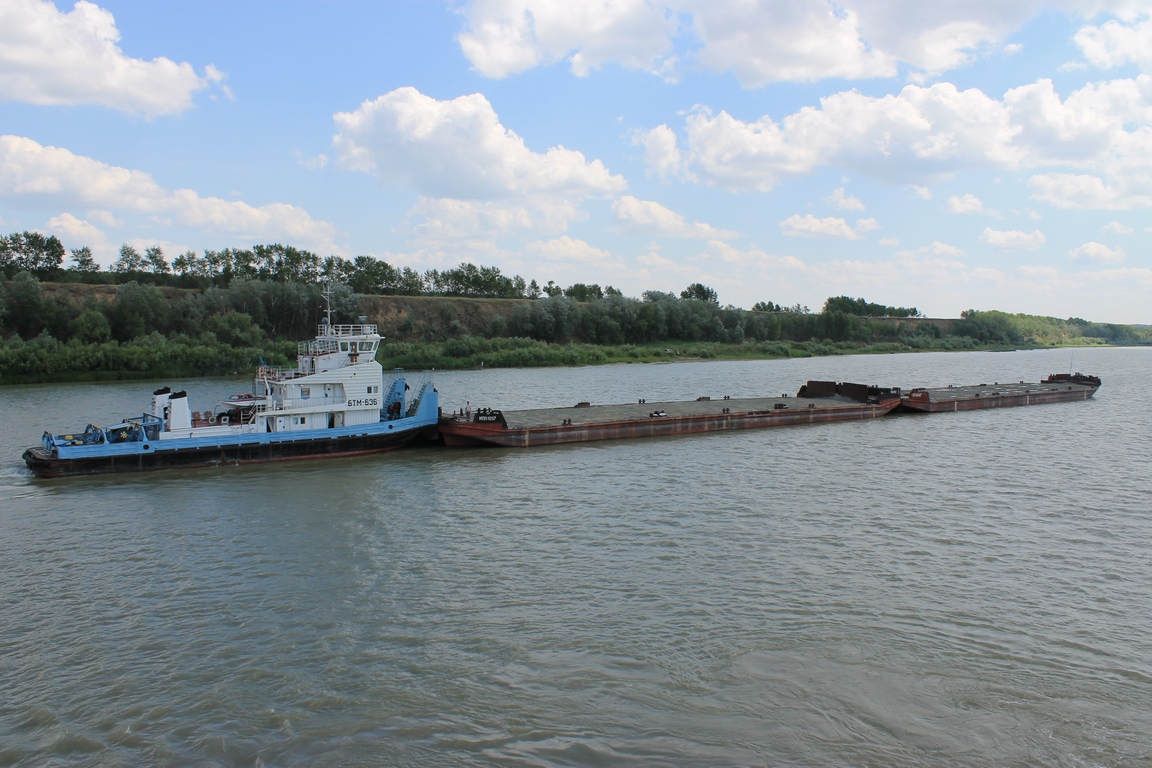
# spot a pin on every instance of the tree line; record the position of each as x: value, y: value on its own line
x: 44, y: 257
x: 225, y: 310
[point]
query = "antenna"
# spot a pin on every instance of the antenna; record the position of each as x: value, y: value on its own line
x: 327, y: 294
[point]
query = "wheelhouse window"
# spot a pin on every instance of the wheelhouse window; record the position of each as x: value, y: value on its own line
x: 365, y: 346
x: 343, y: 346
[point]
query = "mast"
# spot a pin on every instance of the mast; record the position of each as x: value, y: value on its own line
x: 327, y: 294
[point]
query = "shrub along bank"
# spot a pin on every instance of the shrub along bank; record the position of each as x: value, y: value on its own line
x: 56, y: 331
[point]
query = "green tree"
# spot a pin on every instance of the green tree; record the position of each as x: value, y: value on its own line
x: 82, y: 260
x: 766, y: 306
x: 190, y: 264
x: 31, y: 252
x: 26, y: 305
x: 236, y: 329
x: 154, y: 257
x: 862, y: 308
x: 582, y: 292
x: 91, y: 327
x: 138, y: 310
x: 700, y: 292
x: 129, y: 260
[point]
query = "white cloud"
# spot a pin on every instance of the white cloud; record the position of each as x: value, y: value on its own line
x: 1114, y: 44
x: 504, y: 37
x: 1131, y: 276
x: 967, y: 203
x: 469, y: 170
x: 758, y: 42
x: 1067, y: 190
x: 315, y: 163
x: 845, y: 202
x: 570, y: 250
x: 447, y: 217
x: 921, y: 135
x: 864, y: 226
x: 810, y: 226
x: 53, y: 58
x: 32, y: 172
x: 1116, y: 228
x: 648, y: 216
x: 661, y: 151
x: 890, y: 242
x: 459, y: 149
x: 569, y: 260
x: 750, y: 257
x: 1097, y: 252
x: 72, y: 229
x: 1013, y: 240
x: 781, y: 40
x: 922, y: 192
x: 943, y: 249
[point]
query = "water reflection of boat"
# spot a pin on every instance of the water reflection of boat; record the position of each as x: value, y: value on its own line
x: 336, y: 402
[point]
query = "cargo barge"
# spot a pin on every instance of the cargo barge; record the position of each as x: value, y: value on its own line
x: 1057, y: 388
x: 817, y: 402
x: 336, y: 402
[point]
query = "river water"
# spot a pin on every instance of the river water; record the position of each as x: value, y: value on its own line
x: 967, y: 589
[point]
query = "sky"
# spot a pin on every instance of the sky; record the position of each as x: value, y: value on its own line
x: 951, y: 155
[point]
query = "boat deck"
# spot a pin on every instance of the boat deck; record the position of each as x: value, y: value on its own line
x: 601, y: 414
x: 998, y: 389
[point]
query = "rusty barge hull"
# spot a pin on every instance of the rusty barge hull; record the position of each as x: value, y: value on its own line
x: 580, y: 424
x: 1058, y: 388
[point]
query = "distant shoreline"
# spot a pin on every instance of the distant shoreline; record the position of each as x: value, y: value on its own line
x: 734, y: 353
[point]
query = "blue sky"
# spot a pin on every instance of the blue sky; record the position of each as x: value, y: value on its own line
x: 945, y: 155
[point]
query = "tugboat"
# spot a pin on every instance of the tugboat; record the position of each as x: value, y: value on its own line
x: 335, y: 402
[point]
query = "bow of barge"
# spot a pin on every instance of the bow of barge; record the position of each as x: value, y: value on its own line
x: 816, y: 402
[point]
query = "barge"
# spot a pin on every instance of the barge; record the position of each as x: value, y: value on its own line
x: 336, y: 402
x: 1057, y: 388
x: 817, y: 402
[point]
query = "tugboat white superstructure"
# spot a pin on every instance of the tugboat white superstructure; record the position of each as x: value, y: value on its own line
x: 336, y: 402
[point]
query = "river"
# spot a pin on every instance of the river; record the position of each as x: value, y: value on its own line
x: 964, y: 589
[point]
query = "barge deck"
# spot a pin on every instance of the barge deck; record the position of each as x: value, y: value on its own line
x: 817, y: 402
x: 1057, y: 388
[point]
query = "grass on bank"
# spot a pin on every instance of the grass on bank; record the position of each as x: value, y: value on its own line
x: 45, y: 359
x: 471, y: 351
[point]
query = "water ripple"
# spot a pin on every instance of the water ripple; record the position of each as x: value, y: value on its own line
x: 963, y: 589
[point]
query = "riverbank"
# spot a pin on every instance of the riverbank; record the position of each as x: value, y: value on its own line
x: 54, y: 332
x: 474, y: 352
x: 44, y: 360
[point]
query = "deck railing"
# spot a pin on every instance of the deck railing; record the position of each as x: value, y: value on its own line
x: 358, y: 329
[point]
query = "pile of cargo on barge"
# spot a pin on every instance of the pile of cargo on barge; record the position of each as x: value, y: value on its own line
x: 816, y: 402
x: 1057, y: 388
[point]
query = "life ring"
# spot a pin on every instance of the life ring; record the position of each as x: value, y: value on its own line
x: 212, y: 419
x: 224, y: 419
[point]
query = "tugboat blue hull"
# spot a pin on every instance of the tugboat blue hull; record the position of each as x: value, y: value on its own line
x: 185, y: 454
